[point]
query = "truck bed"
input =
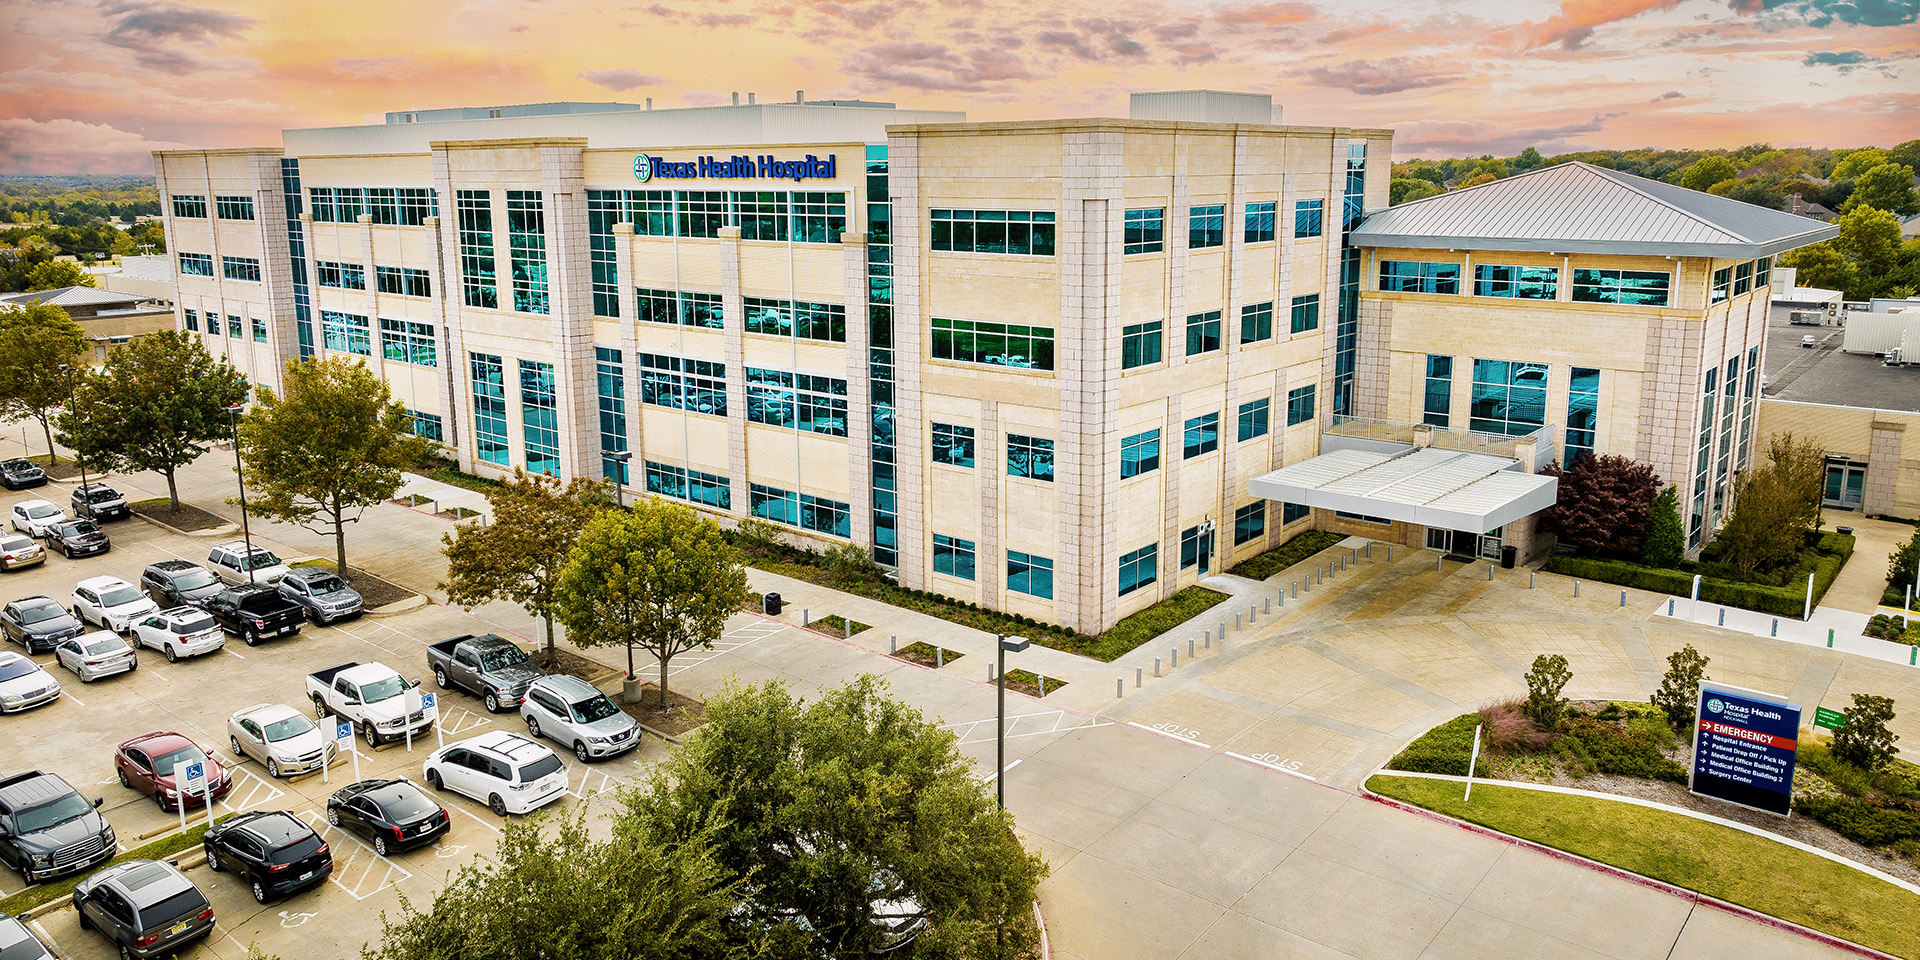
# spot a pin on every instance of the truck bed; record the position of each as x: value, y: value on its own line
x: 325, y: 677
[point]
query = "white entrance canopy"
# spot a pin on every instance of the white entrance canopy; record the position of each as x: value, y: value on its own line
x: 1428, y: 486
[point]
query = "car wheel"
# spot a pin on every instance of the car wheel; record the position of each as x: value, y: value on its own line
x: 533, y: 726
x: 440, y: 677
x: 580, y: 752
x: 125, y: 954
x: 380, y: 844
x: 367, y: 733
x: 333, y: 816
x: 133, y: 664
x: 85, y: 924
x: 273, y: 768
x: 252, y: 638
x: 433, y: 780
x: 83, y: 677
x: 213, y: 860
x: 173, y: 656
x: 234, y: 742
x: 122, y: 774
x: 161, y: 799
x: 493, y: 703
x: 259, y: 892
x: 497, y: 805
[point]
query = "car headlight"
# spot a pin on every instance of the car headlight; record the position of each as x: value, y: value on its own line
x: 106, y: 836
x: 12, y: 698
x: 43, y: 859
x: 599, y: 740
x: 170, y: 792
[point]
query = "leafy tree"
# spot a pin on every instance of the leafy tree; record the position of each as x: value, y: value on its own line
x: 328, y: 448
x: 1775, y: 506
x: 1477, y: 179
x: 659, y: 577
x: 850, y: 562
x: 1529, y: 159
x: 1821, y: 265
x: 159, y: 399
x: 1426, y: 170
x: 1707, y: 171
x: 576, y: 897
x: 54, y: 274
x: 1858, y: 162
x: 1666, y: 542
x: 1863, y: 738
x: 1901, y: 566
x: 1757, y: 192
x: 520, y: 554
x: 1888, y: 187
x: 1408, y: 189
x: 1545, y: 706
x: 759, y: 538
x: 35, y: 341
x: 1604, y: 504
x: 827, y: 810
x: 1679, y: 693
x: 1907, y: 153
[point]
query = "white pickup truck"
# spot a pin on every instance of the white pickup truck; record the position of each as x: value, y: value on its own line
x: 374, y: 698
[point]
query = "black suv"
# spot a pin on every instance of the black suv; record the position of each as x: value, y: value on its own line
x: 78, y: 538
x: 274, y: 853
x: 99, y: 501
x: 18, y: 474
x: 179, y: 583
x: 38, y: 623
x: 48, y: 829
x: 148, y: 908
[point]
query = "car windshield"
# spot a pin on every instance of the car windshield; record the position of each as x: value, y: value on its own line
x: 41, y: 612
x: 163, y: 764
x: 193, y: 579
x: 43, y: 511
x: 289, y: 728
x: 402, y: 802
x: 80, y: 528
x: 380, y: 690
x: 35, y: 819
x: 15, y: 669
x: 16, y: 544
x: 106, y: 645
x: 196, y: 625
x: 298, y: 850
x: 321, y: 586
x: 102, y: 494
x: 261, y: 559
x: 500, y: 658
x: 115, y: 596
x: 597, y: 708
x: 539, y: 768
x: 19, y: 465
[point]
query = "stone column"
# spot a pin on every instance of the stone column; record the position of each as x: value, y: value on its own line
x: 1883, y: 467
x: 1092, y: 198
x: 853, y: 267
x: 570, y: 305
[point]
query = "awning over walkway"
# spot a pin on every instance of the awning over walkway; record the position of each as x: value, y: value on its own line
x: 1428, y: 486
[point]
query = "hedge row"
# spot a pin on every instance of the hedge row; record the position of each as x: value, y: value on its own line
x: 1829, y: 557
x: 1300, y: 547
x: 1866, y: 822
x: 1447, y: 748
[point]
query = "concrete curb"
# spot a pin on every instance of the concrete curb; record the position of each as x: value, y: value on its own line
x: 219, y: 531
x: 398, y: 607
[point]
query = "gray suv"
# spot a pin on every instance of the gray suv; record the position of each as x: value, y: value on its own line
x: 572, y: 712
x: 323, y: 593
x: 148, y: 908
x: 48, y: 829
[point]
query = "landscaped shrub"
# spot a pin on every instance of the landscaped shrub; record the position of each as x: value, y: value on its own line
x: 1446, y: 748
x: 1300, y: 547
x: 1544, y: 704
x: 1818, y: 758
x: 1864, y: 821
x: 1864, y: 739
x: 1506, y: 727
x: 1787, y: 600
x: 1606, y: 747
x: 1679, y: 693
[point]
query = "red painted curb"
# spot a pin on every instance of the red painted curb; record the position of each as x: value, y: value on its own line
x: 1682, y: 893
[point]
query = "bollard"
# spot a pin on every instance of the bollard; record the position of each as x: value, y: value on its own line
x: 1319, y: 576
x: 1119, y: 687
x: 1236, y: 619
x: 1530, y: 579
x: 940, y: 660
x: 1253, y: 613
x: 1209, y: 643
x: 1043, y: 685
x: 1623, y: 598
x: 1189, y: 648
x: 1437, y: 562
x: 1156, y: 666
x: 1776, y: 629
x: 1209, y: 635
x: 1829, y: 636
x: 1489, y: 573
x: 1176, y: 658
x: 1723, y: 617
x: 893, y: 643
x: 1913, y: 659
x: 1138, y: 672
x: 1576, y: 588
x: 1343, y: 563
x: 1369, y: 550
x: 1389, y: 551
x: 1266, y: 605
x: 1296, y: 589
x: 806, y: 620
x: 1223, y: 631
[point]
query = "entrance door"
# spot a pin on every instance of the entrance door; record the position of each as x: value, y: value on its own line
x: 1846, y: 484
x: 1206, y: 552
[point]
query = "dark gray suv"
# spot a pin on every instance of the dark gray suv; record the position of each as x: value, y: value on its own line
x: 322, y: 593
x: 48, y: 829
x: 148, y: 908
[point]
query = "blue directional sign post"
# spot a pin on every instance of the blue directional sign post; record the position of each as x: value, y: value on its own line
x: 1744, y: 745
x: 427, y: 702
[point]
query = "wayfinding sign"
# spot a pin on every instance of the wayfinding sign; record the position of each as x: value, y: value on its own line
x: 1744, y: 746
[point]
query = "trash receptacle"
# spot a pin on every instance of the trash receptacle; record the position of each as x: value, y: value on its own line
x: 770, y: 604
x: 1507, y: 555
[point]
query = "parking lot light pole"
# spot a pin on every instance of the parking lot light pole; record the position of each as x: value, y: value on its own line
x: 71, y: 403
x: 246, y: 533
x: 1006, y: 645
x: 619, y: 477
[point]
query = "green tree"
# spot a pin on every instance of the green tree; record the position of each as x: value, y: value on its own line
x: 1888, y: 187
x: 1529, y: 159
x: 1707, y: 171
x: 1870, y: 238
x: 550, y: 883
x: 1775, y: 506
x: 520, y: 554
x: 1544, y: 705
x: 1679, y: 693
x: 1821, y: 265
x: 35, y: 342
x: 1901, y: 566
x: 1863, y: 738
x: 1857, y: 162
x: 1666, y: 543
x: 159, y: 399
x: 330, y: 446
x: 1409, y: 189
x: 54, y: 274
x: 826, y: 810
x: 659, y: 577
x: 1604, y: 504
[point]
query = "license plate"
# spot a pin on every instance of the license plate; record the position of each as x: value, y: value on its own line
x: 179, y: 927
x: 307, y: 876
x: 285, y: 630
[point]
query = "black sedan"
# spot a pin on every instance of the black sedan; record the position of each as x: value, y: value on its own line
x: 38, y: 623
x: 99, y: 502
x: 78, y: 538
x: 18, y: 474
x: 271, y: 851
x: 392, y: 814
x: 179, y: 583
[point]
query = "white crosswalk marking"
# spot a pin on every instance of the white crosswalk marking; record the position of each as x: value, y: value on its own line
x: 356, y: 868
x: 730, y: 641
x: 1024, y: 725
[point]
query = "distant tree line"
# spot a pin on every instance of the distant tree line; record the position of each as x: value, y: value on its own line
x: 45, y: 217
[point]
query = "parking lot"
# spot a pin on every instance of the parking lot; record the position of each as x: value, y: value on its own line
x: 75, y: 737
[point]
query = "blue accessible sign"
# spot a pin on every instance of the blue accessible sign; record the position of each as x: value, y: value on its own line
x: 1744, y: 745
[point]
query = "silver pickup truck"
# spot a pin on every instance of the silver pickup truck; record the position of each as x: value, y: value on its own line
x: 488, y: 667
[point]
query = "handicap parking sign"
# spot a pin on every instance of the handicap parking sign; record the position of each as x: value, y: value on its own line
x: 343, y: 732
x: 427, y: 700
x: 196, y: 774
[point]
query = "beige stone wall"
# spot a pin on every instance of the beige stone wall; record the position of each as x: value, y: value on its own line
x: 1887, y: 441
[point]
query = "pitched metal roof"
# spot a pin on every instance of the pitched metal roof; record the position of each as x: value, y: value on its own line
x: 1580, y: 208
x: 1429, y: 485
x: 71, y: 297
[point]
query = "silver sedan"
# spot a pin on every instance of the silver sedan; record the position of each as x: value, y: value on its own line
x: 94, y: 655
x: 281, y: 737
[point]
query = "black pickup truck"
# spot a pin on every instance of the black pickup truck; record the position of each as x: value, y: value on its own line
x: 255, y: 612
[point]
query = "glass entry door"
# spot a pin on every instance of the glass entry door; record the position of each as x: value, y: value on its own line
x: 1846, y: 484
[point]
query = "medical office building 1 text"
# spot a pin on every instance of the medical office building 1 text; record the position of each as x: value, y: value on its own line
x: 1060, y: 368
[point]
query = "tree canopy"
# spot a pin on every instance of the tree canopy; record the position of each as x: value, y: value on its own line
x: 1775, y: 505
x: 35, y: 342
x: 521, y: 553
x: 54, y: 274
x: 1604, y: 504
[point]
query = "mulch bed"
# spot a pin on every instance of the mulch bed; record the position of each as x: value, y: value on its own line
x: 573, y: 665
x: 66, y: 469
x: 682, y: 713
x: 186, y: 518
x: 924, y: 654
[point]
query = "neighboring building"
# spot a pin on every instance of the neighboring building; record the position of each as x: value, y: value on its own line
x: 149, y: 277
x: 1810, y: 306
x: 108, y: 318
x: 1802, y: 207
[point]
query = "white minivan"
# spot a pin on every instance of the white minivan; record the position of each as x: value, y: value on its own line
x: 506, y: 771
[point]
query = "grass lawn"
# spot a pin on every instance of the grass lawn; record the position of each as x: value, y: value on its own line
x: 1737, y: 867
x: 159, y: 849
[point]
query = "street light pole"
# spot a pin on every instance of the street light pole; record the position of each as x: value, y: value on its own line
x: 1005, y: 645
x: 71, y: 403
x: 246, y: 532
x: 619, y: 477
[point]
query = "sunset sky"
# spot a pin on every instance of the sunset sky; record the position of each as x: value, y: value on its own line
x: 92, y: 87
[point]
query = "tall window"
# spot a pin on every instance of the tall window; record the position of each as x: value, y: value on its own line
x: 1519, y: 283
x: 797, y: 401
x: 1139, y: 344
x: 240, y: 268
x: 1508, y: 397
x: 1743, y: 278
x: 259, y: 330
x: 1144, y: 231
x: 612, y: 396
x: 1583, y: 405
x: 604, y: 209
x: 477, y: 285
x: 693, y: 486
x: 799, y: 510
x: 346, y: 276
x: 995, y: 344
x: 1346, y: 330
x: 690, y: 309
x: 213, y: 322
x: 404, y: 341
x: 1305, y: 314
x: 1722, y: 286
x: 417, y: 204
x: 1353, y: 200
x: 1206, y: 226
x: 953, y: 556
x: 343, y: 333
x: 683, y: 383
x: 702, y: 212
x: 236, y: 330
x: 1256, y: 322
x: 190, y: 205
x: 807, y: 321
x: 1139, y: 454
x: 763, y: 214
x: 1259, y: 222
x: 1203, y: 333
x: 1029, y: 457
x: 1027, y: 232
x: 540, y: 417
x: 1644, y: 288
x: 1762, y: 272
x: 1300, y: 405
x: 489, y: 410
x: 1029, y: 574
x: 1416, y: 276
x: 1137, y: 569
x: 1203, y: 436
x: 427, y: 425
x: 1438, y: 407
x: 1253, y: 418
x: 819, y: 217
x: 196, y: 265
x: 953, y: 445
x: 233, y: 208
x: 1249, y: 522
x: 1703, y: 461
x: 193, y: 320
x: 404, y: 281
x: 527, y: 245
x: 1309, y: 218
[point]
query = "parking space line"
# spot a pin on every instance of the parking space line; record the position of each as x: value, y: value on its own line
x: 455, y: 807
x: 730, y: 641
x: 458, y: 720
x: 1035, y: 724
x: 1271, y: 765
x: 1163, y: 730
x: 359, y: 854
x: 255, y: 790
x: 224, y: 648
x: 66, y: 694
x: 587, y: 777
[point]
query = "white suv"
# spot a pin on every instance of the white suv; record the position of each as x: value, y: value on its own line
x: 575, y: 713
x: 180, y: 632
x: 231, y: 560
x: 511, y: 773
x: 112, y: 603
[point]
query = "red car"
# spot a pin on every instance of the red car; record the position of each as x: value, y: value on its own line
x: 155, y: 764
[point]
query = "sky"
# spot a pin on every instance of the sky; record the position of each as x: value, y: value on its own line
x: 93, y: 86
